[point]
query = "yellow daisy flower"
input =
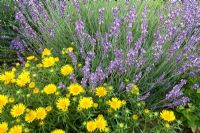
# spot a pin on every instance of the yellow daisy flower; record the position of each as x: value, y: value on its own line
x: 7, y: 77
x: 167, y: 115
x: 3, y: 100
x: 41, y: 113
x: 91, y: 126
x: 66, y: 70
x: 50, y: 89
x: 48, y: 62
x: 18, y: 110
x: 115, y: 103
x: 101, y: 91
x: 30, y: 116
x: 101, y: 123
x: 23, y: 78
x: 63, y: 104
x: 46, y: 52
x: 75, y: 89
x: 3, y: 127
x: 85, y: 103
x: 16, y: 129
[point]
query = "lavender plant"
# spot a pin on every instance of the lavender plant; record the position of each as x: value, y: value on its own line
x: 124, y: 44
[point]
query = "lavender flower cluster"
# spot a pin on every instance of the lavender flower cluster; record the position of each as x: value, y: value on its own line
x: 174, y: 45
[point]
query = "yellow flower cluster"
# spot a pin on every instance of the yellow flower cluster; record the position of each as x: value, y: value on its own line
x: 97, y: 124
x: 23, y: 78
x: 49, y: 61
x: 115, y: 103
x: 8, y: 76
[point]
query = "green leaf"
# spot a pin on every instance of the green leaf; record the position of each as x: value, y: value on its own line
x: 198, y: 90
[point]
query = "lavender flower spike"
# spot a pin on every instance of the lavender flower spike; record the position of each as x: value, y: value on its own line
x: 101, y: 14
x: 79, y: 27
x: 176, y: 91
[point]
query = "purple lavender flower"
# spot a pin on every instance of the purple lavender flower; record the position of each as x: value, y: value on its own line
x: 20, y: 58
x: 79, y: 27
x: 176, y: 91
x: 106, y: 44
x: 17, y: 45
x: 33, y: 11
x: 129, y: 36
x: 41, y: 9
x: 117, y: 64
x: 90, y: 39
x: 28, y: 31
x: 62, y: 85
x: 115, y: 11
x: 63, y: 5
x: 99, y: 74
x: 131, y: 16
x: 196, y: 86
x: 122, y: 86
x: 137, y: 77
x: 144, y: 97
x: 93, y: 80
x: 129, y: 86
x: 101, y: 15
x: 73, y: 57
x: 144, y: 23
x: 51, y: 33
x: 160, y: 78
x: 76, y: 4
x: 116, y: 25
x: 73, y: 78
x: 84, y: 82
x: 181, y: 101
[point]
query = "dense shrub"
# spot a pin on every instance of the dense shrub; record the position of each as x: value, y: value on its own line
x: 138, y: 47
x: 125, y: 45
